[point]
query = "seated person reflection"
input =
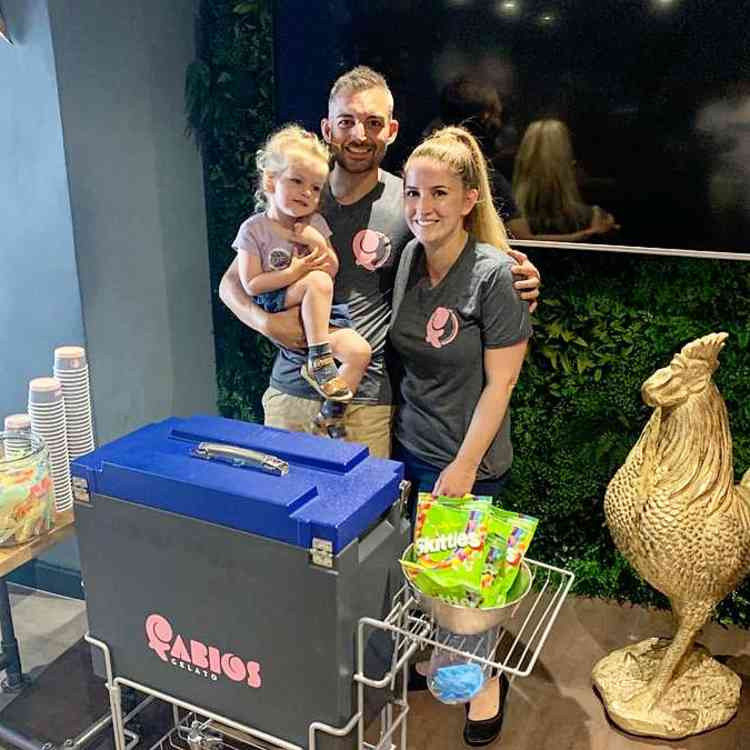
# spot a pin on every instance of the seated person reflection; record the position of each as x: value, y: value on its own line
x: 476, y: 106
x: 545, y: 186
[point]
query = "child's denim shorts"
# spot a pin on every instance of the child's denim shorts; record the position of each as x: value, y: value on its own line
x: 275, y: 301
x: 272, y: 302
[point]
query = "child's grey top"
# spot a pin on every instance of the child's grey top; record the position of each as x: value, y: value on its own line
x: 257, y: 237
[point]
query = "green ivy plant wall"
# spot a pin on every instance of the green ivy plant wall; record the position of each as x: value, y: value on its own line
x: 606, y: 322
x: 229, y: 101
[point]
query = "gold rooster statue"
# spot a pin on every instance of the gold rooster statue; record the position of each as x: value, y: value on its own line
x: 677, y: 516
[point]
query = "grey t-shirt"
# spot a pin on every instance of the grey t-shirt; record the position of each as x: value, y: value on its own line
x: 440, y: 334
x: 368, y: 237
x: 258, y: 237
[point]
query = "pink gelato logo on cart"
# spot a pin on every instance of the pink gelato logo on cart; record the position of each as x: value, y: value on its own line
x: 196, y: 657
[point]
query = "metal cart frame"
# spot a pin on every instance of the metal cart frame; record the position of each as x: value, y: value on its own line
x: 516, y: 652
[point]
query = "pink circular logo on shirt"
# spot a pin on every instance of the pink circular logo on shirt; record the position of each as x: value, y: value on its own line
x: 442, y: 327
x: 371, y: 249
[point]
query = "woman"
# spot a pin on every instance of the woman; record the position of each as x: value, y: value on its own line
x: 460, y: 333
x: 545, y: 186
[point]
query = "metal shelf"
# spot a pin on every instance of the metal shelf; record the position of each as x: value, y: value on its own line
x: 195, y: 732
x: 521, y: 640
x: 518, y: 644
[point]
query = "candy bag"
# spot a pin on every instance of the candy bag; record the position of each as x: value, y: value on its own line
x: 509, y: 538
x: 449, y: 543
x: 458, y: 596
x: 522, y: 532
x: 497, y: 575
x: 467, y: 502
x: 466, y: 551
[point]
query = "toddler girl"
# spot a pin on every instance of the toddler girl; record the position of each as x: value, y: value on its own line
x: 285, y: 259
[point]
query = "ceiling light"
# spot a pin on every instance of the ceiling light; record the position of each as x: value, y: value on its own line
x: 508, y: 7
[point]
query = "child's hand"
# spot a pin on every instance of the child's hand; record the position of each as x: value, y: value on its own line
x: 310, y: 236
x: 315, y: 260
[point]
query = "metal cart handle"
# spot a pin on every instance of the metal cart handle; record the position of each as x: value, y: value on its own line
x: 241, y: 457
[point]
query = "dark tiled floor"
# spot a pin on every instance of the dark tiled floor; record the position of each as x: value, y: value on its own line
x: 553, y: 709
x: 46, y: 625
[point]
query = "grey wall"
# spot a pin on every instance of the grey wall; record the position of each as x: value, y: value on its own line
x: 138, y: 210
x: 40, y: 305
x: 102, y: 218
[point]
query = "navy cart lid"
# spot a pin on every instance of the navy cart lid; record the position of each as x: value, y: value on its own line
x: 333, y: 491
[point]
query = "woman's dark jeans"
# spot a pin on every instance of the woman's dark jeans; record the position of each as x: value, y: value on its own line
x: 423, y: 477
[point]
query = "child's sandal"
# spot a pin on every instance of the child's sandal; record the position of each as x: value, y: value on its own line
x: 334, y: 389
x: 328, y: 427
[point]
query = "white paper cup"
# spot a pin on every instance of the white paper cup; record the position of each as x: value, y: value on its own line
x: 17, y: 422
x: 70, y: 358
x: 71, y: 368
x: 45, y: 391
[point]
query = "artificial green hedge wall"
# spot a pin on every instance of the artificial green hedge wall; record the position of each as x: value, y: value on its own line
x: 229, y: 100
x: 606, y: 322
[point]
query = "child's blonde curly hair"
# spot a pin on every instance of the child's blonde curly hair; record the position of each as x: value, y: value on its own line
x: 273, y: 158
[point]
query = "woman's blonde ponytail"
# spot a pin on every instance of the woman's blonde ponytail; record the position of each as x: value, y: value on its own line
x: 459, y: 150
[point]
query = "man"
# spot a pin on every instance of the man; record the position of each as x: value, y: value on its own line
x: 363, y: 207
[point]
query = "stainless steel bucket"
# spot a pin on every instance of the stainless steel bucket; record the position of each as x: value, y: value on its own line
x: 470, y: 620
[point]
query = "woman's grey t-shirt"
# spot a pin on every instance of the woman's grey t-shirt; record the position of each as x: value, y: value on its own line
x: 440, y: 334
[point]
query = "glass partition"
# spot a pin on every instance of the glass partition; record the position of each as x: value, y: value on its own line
x: 654, y: 96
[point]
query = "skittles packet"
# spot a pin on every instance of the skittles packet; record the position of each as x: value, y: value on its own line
x: 458, y: 595
x: 449, y: 543
x: 466, y: 551
x: 522, y: 528
x: 509, y: 538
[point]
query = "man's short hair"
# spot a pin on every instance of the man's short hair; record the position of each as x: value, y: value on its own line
x: 358, y: 79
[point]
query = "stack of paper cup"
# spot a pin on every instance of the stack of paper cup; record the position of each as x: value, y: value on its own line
x: 72, y: 370
x: 17, y: 440
x: 47, y: 411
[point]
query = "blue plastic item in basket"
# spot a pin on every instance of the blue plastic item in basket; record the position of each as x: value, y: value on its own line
x: 457, y: 683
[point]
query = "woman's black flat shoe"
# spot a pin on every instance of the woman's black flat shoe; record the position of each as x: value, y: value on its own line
x: 416, y: 681
x: 480, y: 732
